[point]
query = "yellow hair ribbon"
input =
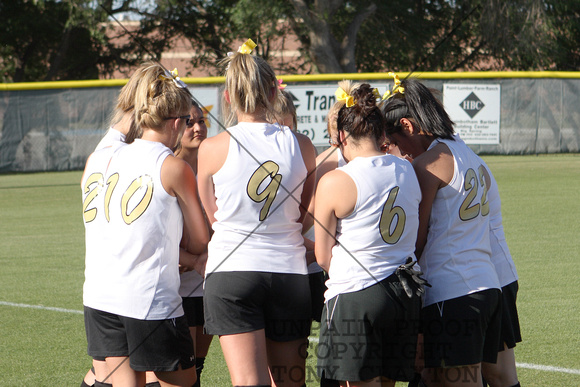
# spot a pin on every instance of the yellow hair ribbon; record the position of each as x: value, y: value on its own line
x: 247, y: 47
x: 341, y: 95
x: 376, y: 93
x: 396, y: 87
x: 172, y: 76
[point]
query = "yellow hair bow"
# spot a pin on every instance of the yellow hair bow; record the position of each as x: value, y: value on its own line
x: 341, y: 95
x: 247, y: 47
x: 172, y: 75
x: 376, y: 93
x: 396, y: 87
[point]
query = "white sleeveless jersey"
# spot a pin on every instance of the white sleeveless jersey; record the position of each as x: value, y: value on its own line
x: 315, y: 267
x: 133, y: 229
x: 111, y: 137
x: 257, y: 194
x: 500, y: 252
x: 456, y: 258
x: 191, y: 284
x: 381, y: 232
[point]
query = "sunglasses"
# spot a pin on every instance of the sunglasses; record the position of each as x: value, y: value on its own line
x: 187, y: 118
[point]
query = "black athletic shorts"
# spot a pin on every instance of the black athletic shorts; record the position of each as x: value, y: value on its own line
x: 510, y: 323
x: 463, y: 330
x: 193, y: 309
x: 246, y: 301
x: 317, y: 289
x: 368, y: 333
x: 152, y: 345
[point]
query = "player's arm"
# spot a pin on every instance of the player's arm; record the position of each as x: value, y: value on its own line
x: 329, y: 207
x: 309, y: 157
x: 434, y: 170
x: 179, y: 180
x: 189, y: 262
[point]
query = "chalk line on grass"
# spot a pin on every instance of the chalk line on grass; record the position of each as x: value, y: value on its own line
x: 41, y: 307
x: 548, y: 368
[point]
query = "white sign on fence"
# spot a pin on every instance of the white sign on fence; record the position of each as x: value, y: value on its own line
x: 475, y: 109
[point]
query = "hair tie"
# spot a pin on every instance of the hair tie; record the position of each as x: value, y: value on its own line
x: 396, y: 87
x: 173, y: 77
x: 247, y: 47
x: 342, y: 95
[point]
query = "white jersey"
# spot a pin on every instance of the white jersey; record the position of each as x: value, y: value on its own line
x: 191, y: 284
x: 381, y: 232
x: 256, y: 227
x: 500, y: 252
x: 111, y: 137
x: 133, y: 229
x: 456, y: 258
x: 315, y: 267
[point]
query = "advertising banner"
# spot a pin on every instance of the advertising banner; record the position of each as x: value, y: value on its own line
x: 475, y: 109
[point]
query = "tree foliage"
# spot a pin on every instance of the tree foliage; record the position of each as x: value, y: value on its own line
x: 79, y: 39
x: 44, y: 40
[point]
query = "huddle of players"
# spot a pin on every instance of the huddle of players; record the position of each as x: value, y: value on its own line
x: 373, y: 213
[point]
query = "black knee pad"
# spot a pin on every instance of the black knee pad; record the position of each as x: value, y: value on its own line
x: 101, y: 384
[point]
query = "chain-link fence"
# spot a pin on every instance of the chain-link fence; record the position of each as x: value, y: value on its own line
x: 57, y: 129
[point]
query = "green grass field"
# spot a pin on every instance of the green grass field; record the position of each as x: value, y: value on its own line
x: 42, y: 341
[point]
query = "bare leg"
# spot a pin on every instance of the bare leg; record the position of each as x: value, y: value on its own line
x: 89, y: 378
x: 503, y: 373
x: 246, y: 357
x: 179, y: 378
x: 202, y: 341
x: 150, y: 377
x: 287, y: 362
x: 465, y: 376
x: 121, y: 373
x: 101, y: 371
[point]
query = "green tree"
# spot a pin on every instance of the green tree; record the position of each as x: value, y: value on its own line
x: 361, y: 35
x: 47, y: 40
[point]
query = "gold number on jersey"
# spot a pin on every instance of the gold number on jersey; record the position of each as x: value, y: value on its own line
x: 390, y: 214
x: 470, y: 208
x: 269, y: 168
x: 92, y: 188
x: 484, y: 202
x: 95, y: 184
x: 138, y: 184
x: 111, y: 184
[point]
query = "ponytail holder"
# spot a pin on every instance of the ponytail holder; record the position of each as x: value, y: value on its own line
x: 396, y: 87
x: 341, y: 95
x: 281, y: 86
x: 173, y: 77
x: 247, y: 47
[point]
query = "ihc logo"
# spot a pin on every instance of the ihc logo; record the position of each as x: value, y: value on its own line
x: 472, y: 105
